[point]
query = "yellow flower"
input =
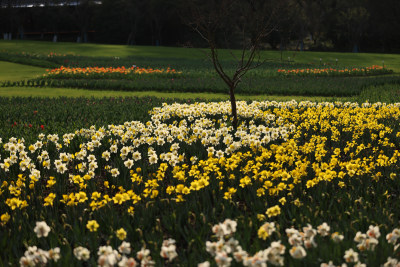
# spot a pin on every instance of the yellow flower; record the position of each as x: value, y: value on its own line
x: 273, y: 211
x: 266, y: 230
x: 118, y: 199
x: 96, y: 195
x: 81, y: 197
x: 121, y: 234
x: 297, y: 202
x: 5, y: 217
x: 92, y: 225
x: 13, y: 203
x: 261, y: 217
x: 282, y: 201
x: 48, y: 201
x: 228, y: 195
x: 245, y: 181
x: 131, y: 210
x: 262, y: 233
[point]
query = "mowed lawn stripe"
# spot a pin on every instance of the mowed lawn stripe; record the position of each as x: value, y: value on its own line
x: 18, y: 72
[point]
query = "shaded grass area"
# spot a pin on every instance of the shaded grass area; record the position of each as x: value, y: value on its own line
x: 66, y: 92
x: 311, y: 86
x: 381, y: 93
x: 96, y: 50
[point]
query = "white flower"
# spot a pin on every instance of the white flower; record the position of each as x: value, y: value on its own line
x: 230, y: 226
x: 258, y: 260
x: 62, y: 168
x: 350, y: 256
x: 125, y: 248
x: 107, y: 256
x: 41, y: 229
x: 125, y: 262
x: 143, y: 254
x: 128, y: 163
x: 336, y: 237
x: 27, y: 262
x: 114, y: 172
x: 393, y: 236
x: 54, y: 254
x: 168, y: 249
x: 296, y: 239
x: 310, y: 242
x: 114, y: 149
x: 360, y: 237
x: 298, y: 252
x: 309, y: 231
x: 323, y: 229
x: 204, y: 264
x: 329, y: 264
x: 391, y: 263
x: 373, y: 231
x: 369, y: 244
x: 239, y: 254
x: 223, y: 260
x: 153, y: 158
x: 136, y: 156
x: 106, y: 155
x: 82, y: 253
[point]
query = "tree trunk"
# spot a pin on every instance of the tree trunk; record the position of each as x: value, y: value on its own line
x: 233, y: 105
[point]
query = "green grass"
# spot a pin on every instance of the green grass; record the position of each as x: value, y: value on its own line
x: 383, y: 93
x: 17, y: 72
x: 65, y: 92
x: 96, y: 50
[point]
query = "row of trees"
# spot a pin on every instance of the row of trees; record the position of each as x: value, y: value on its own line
x: 357, y: 25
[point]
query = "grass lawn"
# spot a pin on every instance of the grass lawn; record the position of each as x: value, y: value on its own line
x: 17, y: 72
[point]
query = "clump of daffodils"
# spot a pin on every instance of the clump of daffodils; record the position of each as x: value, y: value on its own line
x: 168, y: 249
x: 82, y: 253
x: 34, y: 256
x: 227, y: 248
x: 369, y: 240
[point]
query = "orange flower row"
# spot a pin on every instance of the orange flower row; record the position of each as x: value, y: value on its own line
x: 102, y: 70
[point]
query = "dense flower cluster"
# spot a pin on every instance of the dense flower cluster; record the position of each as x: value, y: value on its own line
x: 357, y: 71
x: 227, y: 248
x: 279, y: 152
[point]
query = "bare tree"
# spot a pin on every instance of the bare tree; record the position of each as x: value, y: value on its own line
x: 229, y: 23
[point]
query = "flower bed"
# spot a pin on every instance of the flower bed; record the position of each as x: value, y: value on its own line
x: 102, y: 72
x: 322, y: 72
x: 159, y: 187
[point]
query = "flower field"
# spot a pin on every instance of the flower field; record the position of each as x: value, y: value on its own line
x: 298, y: 184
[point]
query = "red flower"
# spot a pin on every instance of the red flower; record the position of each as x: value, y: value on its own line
x: 41, y: 126
x: 30, y: 125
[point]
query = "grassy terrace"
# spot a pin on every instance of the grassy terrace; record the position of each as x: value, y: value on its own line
x: 197, y: 78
